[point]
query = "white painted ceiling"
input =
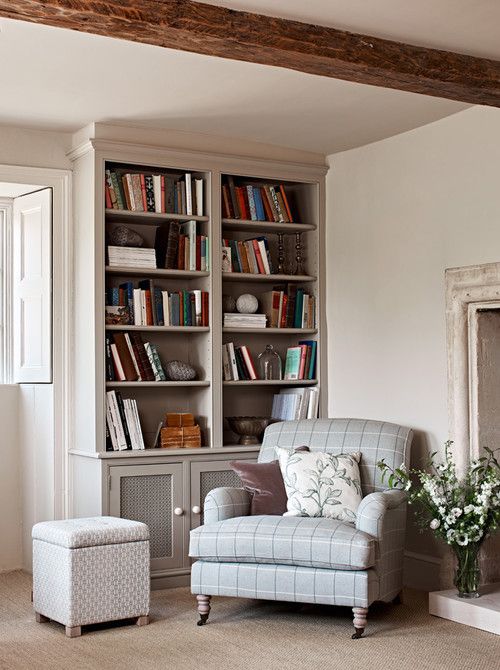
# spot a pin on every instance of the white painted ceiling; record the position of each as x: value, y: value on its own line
x: 62, y: 80
x: 466, y: 26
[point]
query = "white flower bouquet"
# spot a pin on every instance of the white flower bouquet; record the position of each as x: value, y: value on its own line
x: 461, y: 511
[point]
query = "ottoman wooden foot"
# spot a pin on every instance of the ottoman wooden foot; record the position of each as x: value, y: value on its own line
x: 360, y: 615
x: 142, y: 621
x: 203, y: 608
x: 73, y: 631
x: 41, y: 618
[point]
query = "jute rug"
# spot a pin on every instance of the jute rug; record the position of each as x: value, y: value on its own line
x: 246, y: 634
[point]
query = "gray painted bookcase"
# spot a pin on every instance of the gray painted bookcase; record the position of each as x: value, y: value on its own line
x: 166, y: 488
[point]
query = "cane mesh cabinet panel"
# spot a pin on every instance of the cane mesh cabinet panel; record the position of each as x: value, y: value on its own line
x: 151, y: 494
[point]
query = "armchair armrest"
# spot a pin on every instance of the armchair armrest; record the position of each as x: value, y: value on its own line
x: 226, y: 503
x: 372, y: 510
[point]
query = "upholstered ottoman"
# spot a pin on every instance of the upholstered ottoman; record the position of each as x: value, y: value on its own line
x: 90, y: 570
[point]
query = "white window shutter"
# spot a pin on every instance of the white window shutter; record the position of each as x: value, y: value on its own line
x: 32, y: 287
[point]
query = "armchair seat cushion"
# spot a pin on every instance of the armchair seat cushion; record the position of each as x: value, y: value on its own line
x: 300, y: 541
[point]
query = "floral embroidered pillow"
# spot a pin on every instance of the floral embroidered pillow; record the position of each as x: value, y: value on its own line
x: 321, y: 484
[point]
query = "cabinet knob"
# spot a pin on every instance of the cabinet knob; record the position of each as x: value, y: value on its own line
x: 178, y: 511
x: 196, y: 509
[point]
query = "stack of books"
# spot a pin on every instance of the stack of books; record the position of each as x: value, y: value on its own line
x: 267, y: 202
x: 289, y: 307
x: 237, y: 363
x: 300, y: 362
x: 160, y: 193
x: 148, y: 305
x: 250, y: 256
x: 129, y: 359
x: 179, y: 247
x: 131, y: 257
x: 294, y: 404
x: 123, y: 426
x: 235, y: 320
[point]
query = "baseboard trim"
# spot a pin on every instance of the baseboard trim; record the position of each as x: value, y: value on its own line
x: 421, y: 571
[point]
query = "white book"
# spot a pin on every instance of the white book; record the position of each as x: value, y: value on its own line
x: 138, y: 427
x: 144, y: 318
x: 117, y: 421
x: 118, y: 364
x: 312, y: 410
x: 130, y: 424
x: 137, y: 307
x: 232, y: 361
x: 198, y: 183
x: 157, y: 192
x: 111, y: 427
x: 226, y: 364
x: 166, y: 308
x: 263, y: 253
x: 189, y: 195
x: 302, y: 394
x: 189, y: 229
x: 248, y: 362
x: 132, y: 355
x: 197, y: 305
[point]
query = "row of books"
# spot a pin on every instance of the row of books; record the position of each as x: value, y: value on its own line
x: 129, y: 359
x: 178, y: 246
x: 160, y: 193
x: 237, y: 320
x: 268, y: 202
x: 289, y: 307
x: 252, y: 256
x: 237, y: 363
x: 295, y: 404
x: 131, y: 257
x: 148, y: 305
x: 123, y: 426
x: 300, y: 362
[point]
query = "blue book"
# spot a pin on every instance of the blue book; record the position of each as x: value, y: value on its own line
x: 235, y: 256
x: 259, y: 205
x: 114, y: 296
x: 128, y: 287
x: 299, y: 302
x: 158, y: 306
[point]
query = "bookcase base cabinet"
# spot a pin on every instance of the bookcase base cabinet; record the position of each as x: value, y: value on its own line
x: 168, y: 496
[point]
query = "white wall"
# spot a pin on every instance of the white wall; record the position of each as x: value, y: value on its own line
x: 399, y: 212
x: 10, y: 494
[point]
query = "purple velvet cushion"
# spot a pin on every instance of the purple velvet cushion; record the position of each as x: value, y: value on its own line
x: 265, y: 482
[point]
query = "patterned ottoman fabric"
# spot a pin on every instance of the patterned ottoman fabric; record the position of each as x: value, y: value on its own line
x: 301, y: 541
x: 91, y: 570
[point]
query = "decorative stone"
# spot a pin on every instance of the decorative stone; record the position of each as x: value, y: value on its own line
x: 247, y: 304
x: 122, y: 236
x: 179, y: 371
x: 228, y: 304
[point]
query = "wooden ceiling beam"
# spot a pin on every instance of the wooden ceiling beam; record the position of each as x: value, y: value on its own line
x: 327, y: 52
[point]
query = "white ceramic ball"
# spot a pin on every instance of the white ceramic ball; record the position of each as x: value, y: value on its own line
x: 247, y: 304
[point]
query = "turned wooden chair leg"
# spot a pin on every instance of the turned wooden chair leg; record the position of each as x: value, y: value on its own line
x: 73, y: 631
x: 203, y: 609
x: 359, y: 621
x: 142, y: 621
x: 41, y: 618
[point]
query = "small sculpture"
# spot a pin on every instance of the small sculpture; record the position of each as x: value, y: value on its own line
x: 228, y: 304
x: 179, y: 371
x: 121, y: 236
x: 247, y: 304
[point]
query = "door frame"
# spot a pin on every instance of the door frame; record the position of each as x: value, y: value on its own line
x: 62, y: 285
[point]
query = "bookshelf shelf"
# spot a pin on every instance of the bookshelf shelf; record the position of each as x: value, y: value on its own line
x: 163, y: 329
x: 273, y: 331
x: 266, y: 226
x: 148, y: 218
x: 159, y: 272
x: 156, y: 384
x: 273, y: 382
x: 247, y: 277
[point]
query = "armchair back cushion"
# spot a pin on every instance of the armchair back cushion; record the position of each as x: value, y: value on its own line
x: 375, y: 440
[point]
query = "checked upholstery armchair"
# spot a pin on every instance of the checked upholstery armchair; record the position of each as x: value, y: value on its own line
x: 306, y: 559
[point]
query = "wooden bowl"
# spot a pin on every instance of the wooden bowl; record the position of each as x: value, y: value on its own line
x: 249, y: 428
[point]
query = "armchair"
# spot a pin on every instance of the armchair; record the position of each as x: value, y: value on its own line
x: 305, y: 559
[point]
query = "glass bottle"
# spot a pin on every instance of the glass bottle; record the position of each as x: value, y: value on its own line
x: 270, y: 365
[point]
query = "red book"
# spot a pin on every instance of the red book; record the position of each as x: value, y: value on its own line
x: 283, y: 311
x: 149, y: 308
x: 267, y: 207
x: 258, y: 257
x: 303, y: 356
x: 141, y: 357
x: 109, y: 204
x: 162, y: 182
x: 122, y: 297
x: 204, y: 308
x: 198, y: 252
x: 285, y: 201
x: 241, y: 194
x: 227, y: 210
x: 181, y: 252
x: 143, y: 190
x: 248, y: 362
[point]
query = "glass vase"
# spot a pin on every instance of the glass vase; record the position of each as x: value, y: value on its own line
x: 269, y: 362
x: 467, y: 573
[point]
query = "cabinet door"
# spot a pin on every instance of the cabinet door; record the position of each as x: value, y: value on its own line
x: 207, y: 476
x: 152, y: 494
